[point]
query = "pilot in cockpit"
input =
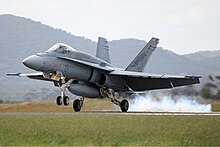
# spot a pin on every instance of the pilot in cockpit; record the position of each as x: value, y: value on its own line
x: 60, y: 48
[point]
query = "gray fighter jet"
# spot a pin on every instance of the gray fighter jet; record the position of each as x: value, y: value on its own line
x: 88, y: 76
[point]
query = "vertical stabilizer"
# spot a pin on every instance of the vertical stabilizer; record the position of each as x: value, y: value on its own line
x: 140, y: 61
x: 102, y: 51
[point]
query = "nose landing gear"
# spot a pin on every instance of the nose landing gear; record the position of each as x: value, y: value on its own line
x: 63, y: 98
x: 64, y: 101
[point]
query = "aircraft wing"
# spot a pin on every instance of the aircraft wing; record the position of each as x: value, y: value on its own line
x: 143, y: 81
x: 90, y: 64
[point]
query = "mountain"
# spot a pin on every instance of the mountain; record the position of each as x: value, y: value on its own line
x: 209, y: 59
x: 21, y: 37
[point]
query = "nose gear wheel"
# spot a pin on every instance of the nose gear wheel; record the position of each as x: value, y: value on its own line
x: 66, y: 100
x: 59, y: 101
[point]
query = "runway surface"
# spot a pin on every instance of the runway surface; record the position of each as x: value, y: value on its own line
x: 112, y: 113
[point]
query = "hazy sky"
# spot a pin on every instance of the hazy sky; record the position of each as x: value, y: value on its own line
x: 183, y: 26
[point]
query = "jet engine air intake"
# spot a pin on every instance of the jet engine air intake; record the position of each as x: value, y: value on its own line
x: 102, y: 79
x: 97, y: 77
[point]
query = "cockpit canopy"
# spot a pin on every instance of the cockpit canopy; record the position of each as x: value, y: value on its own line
x: 61, y: 48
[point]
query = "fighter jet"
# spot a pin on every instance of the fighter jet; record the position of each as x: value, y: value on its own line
x: 91, y: 76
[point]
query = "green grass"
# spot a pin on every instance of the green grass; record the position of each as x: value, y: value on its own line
x: 96, y: 130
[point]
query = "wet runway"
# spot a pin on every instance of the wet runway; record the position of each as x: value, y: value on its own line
x: 113, y: 113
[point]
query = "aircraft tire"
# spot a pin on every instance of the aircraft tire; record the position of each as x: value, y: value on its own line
x: 76, y: 105
x: 124, y: 105
x: 66, y: 100
x: 59, y: 101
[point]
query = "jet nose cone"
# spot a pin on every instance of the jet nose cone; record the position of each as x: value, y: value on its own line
x: 34, y: 62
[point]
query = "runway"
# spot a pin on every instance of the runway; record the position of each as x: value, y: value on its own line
x: 115, y: 113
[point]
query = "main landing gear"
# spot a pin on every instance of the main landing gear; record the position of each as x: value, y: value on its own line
x: 124, y: 105
x: 63, y: 98
x: 77, y: 104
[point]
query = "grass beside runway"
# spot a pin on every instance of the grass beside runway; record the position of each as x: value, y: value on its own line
x: 102, y: 129
x: 90, y: 104
x: 50, y: 106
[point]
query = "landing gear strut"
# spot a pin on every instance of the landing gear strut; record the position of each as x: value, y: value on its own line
x: 77, y: 104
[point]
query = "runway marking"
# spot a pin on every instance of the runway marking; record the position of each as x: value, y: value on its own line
x: 114, y: 113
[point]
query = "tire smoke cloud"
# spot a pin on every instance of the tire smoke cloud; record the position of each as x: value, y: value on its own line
x: 166, y: 103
